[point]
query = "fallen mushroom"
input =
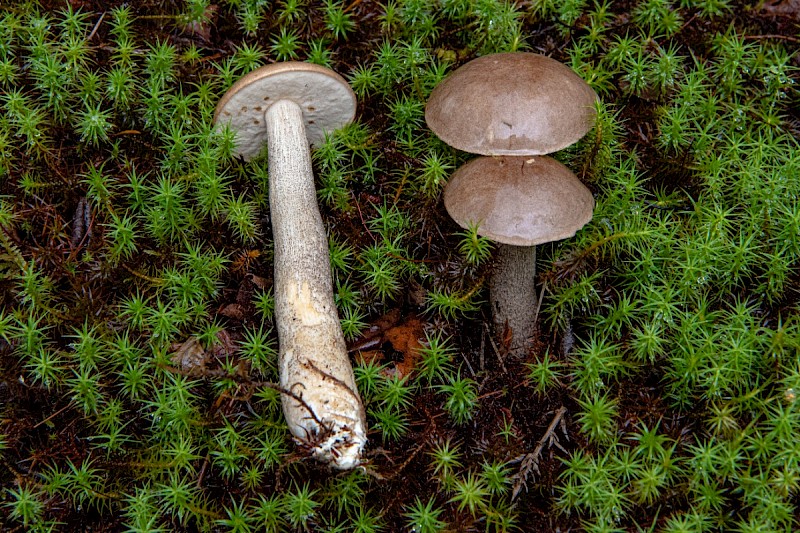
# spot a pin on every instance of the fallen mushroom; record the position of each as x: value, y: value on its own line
x: 289, y: 106
x: 511, y: 104
x: 518, y: 202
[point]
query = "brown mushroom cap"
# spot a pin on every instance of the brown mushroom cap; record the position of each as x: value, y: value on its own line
x: 519, y: 200
x: 511, y: 104
x: 327, y: 101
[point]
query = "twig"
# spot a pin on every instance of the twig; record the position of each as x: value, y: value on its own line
x: 483, y: 348
x: 52, y: 416
x: 530, y: 461
x: 246, y: 381
x: 155, y: 281
x: 410, y: 260
x: 400, y: 187
x: 774, y: 36
x: 539, y: 303
x: 490, y: 394
x: 352, y: 6
x: 96, y: 26
x: 361, y: 216
x: 202, y: 474
x: 401, y: 466
x: 494, y: 348
x: 336, y: 381
x: 469, y: 366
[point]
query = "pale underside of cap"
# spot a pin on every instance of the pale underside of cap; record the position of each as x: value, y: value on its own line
x: 327, y: 102
x: 511, y: 104
x: 518, y: 200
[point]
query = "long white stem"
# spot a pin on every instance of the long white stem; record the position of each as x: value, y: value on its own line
x: 314, y: 364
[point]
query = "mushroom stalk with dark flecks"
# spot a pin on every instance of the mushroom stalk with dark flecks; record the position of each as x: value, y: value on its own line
x: 512, y: 294
x: 324, y: 409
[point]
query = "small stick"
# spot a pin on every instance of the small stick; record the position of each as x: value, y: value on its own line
x: 337, y: 381
x: 400, y: 187
x: 361, y: 216
x: 96, y: 26
x: 494, y: 348
x: 202, y: 474
x: 245, y: 381
x: 490, y: 394
x: 530, y: 461
x: 155, y: 281
x: 352, y: 6
x: 774, y: 36
x: 402, y: 465
x: 52, y: 416
x: 483, y: 349
x: 471, y: 370
x: 539, y: 303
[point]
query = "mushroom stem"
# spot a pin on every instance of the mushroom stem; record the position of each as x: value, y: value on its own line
x: 313, y: 359
x: 512, y: 294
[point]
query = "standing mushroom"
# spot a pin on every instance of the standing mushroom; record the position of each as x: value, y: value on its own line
x: 289, y: 106
x: 519, y: 202
x: 512, y: 104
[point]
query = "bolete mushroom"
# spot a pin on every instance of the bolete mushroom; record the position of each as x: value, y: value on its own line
x: 512, y: 104
x: 518, y: 202
x: 288, y: 107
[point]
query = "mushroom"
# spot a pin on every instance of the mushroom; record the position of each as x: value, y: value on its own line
x: 513, y: 104
x: 288, y: 107
x: 518, y: 202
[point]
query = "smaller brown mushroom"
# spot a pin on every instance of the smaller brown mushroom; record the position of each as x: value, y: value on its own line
x: 519, y: 202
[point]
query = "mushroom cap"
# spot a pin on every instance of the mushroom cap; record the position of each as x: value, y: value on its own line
x: 518, y: 200
x: 327, y: 101
x: 514, y: 103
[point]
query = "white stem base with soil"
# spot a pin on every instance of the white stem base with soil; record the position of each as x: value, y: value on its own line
x: 512, y: 294
x: 314, y: 364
